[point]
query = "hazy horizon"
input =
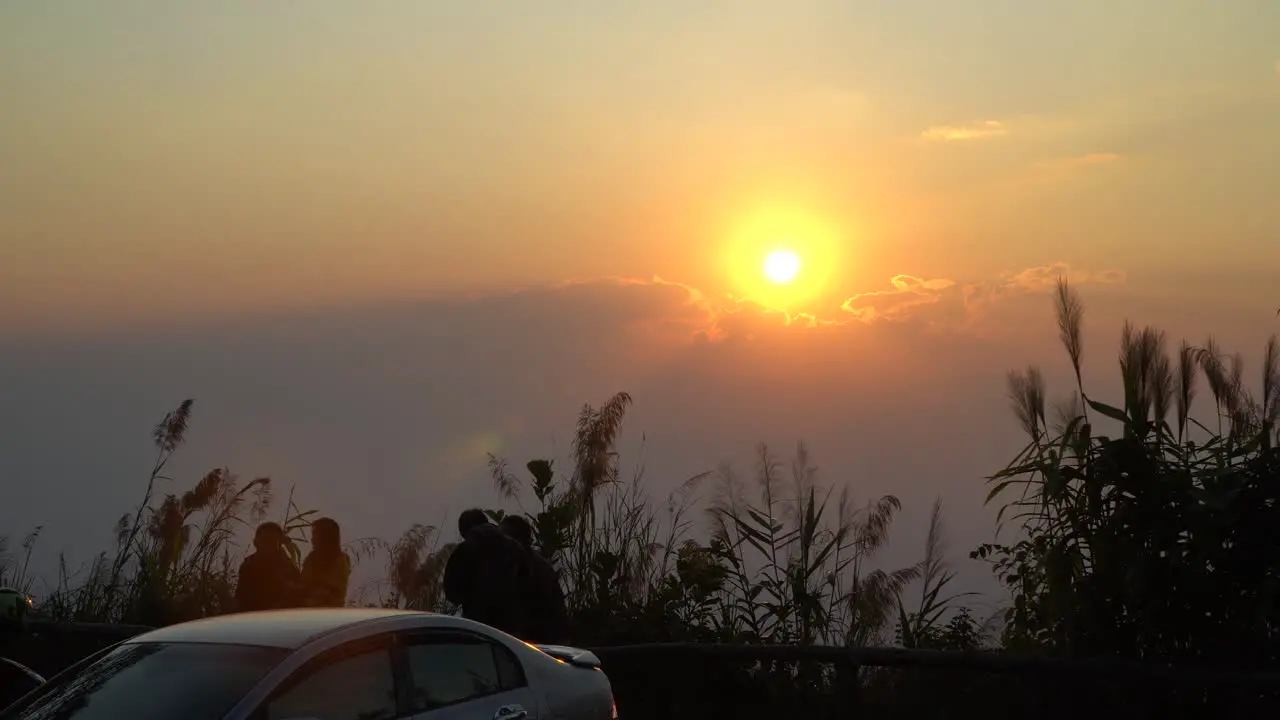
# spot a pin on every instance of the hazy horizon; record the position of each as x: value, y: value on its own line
x: 377, y: 242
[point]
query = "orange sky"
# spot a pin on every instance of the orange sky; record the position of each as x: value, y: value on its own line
x: 316, y: 155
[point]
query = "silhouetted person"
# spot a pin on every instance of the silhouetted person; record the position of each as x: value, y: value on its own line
x: 326, y: 569
x: 487, y: 574
x: 547, y: 620
x: 268, y: 578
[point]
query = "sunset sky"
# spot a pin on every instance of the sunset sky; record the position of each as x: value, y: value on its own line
x: 377, y: 240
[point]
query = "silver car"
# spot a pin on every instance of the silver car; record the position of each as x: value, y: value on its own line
x: 331, y: 664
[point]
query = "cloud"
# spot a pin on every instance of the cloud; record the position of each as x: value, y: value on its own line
x: 976, y: 131
x: 944, y: 303
x: 908, y: 295
x: 658, y: 310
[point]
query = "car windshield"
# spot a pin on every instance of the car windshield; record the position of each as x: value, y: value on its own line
x: 192, y: 681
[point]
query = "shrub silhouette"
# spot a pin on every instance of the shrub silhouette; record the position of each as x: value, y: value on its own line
x: 1158, y: 542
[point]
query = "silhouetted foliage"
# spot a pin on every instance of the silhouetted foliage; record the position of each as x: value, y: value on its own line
x: 176, y: 554
x: 1157, y: 543
x: 782, y: 564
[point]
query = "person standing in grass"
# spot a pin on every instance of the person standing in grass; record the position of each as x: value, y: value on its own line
x: 486, y: 575
x: 547, y: 620
x: 268, y: 579
x: 326, y: 569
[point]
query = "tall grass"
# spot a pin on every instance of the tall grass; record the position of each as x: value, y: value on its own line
x: 798, y: 565
x: 779, y: 557
x: 176, y: 553
x: 926, y: 624
x: 1146, y: 533
x: 15, y: 569
x: 787, y: 558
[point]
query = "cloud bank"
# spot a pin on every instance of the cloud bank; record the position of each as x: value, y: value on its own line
x: 941, y: 304
x: 385, y: 415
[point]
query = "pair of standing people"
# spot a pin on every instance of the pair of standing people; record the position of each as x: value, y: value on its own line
x: 269, y: 579
x: 499, y: 579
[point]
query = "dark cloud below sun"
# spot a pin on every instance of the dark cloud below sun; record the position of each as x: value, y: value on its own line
x: 384, y: 415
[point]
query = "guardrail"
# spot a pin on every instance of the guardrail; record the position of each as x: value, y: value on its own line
x: 997, y: 662
x: 704, y: 680
x: 673, y: 681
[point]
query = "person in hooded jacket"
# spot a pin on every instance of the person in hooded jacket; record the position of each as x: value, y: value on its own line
x: 326, y: 569
x: 487, y: 575
x: 547, y: 616
x: 268, y: 579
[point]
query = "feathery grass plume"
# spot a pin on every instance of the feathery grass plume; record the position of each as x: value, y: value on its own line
x: 593, y: 453
x: 1065, y: 411
x: 1070, y: 313
x: 1146, y: 377
x: 507, y: 484
x: 1270, y: 405
x: 167, y: 435
x: 1160, y: 380
x: 1240, y: 407
x: 921, y: 626
x: 1215, y: 374
x: 1027, y: 398
x: 1187, y: 367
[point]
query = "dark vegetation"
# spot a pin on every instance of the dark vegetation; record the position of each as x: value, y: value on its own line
x: 1137, y: 533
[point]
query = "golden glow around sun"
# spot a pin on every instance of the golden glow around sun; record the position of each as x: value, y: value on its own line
x: 782, y: 258
x: 781, y: 266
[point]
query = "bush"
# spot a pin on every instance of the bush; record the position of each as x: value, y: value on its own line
x: 1156, y: 543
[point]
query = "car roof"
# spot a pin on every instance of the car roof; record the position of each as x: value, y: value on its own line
x: 288, y: 629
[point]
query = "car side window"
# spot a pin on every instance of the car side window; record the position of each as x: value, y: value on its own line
x: 356, y: 683
x: 447, y: 668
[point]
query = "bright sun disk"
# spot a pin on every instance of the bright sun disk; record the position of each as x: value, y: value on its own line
x: 781, y: 266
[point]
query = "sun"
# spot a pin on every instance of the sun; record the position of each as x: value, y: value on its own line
x: 782, y: 257
x: 781, y: 266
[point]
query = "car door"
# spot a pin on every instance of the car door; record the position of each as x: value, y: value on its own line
x: 464, y: 675
x: 353, y: 681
